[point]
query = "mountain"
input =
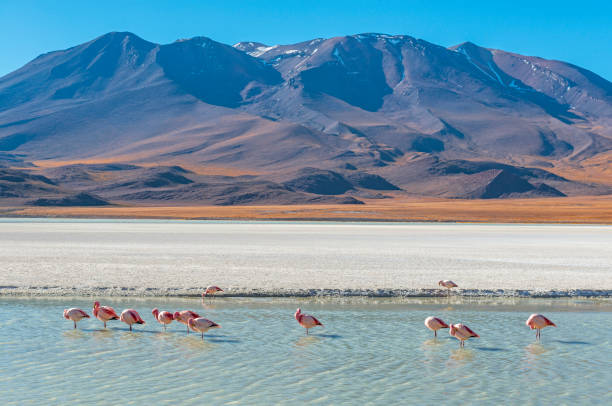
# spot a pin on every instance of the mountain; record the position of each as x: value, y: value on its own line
x: 339, y: 120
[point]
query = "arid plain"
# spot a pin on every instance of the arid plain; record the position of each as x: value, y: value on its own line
x: 587, y: 210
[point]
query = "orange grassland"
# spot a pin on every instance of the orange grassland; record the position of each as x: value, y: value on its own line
x: 586, y: 209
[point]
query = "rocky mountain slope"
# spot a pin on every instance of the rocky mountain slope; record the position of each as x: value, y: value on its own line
x: 339, y: 120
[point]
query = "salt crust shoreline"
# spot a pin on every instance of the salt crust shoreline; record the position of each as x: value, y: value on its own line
x: 52, y: 291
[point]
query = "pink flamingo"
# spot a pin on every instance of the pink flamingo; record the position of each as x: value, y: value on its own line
x: 538, y: 322
x: 307, y: 321
x: 164, y: 318
x: 447, y: 284
x: 461, y: 332
x: 104, y: 313
x: 131, y: 316
x: 211, y: 291
x: 435, y: 324
x: 201, y: 325
x: 184, y: 316
x: 75, y: 315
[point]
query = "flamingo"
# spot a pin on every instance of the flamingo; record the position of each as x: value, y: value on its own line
x: 211, y: 291
x: 307, y: 321
x: 461, y: 332
x: 75, y: 315
x: 448, y: 285
x: 538, y: 322
x: 164, y: 318
x: 131, y: 316
x: 104, y: 313
x: 184, y: 316
x: 435, y: 324
x: 201, y: 325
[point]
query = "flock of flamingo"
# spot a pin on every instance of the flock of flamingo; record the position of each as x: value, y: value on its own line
x: 201, y: 325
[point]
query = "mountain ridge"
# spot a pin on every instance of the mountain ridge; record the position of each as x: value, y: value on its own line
x: 390, y: 106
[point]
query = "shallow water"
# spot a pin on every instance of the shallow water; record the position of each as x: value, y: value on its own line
x: 371, y: 351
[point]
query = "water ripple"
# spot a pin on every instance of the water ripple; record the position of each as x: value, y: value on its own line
x: 261, y: 356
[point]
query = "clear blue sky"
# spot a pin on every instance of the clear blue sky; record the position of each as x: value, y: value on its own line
x: 575, y: 31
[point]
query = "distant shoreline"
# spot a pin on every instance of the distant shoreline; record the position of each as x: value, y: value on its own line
x: 309, y: 219
x: 57, y: 291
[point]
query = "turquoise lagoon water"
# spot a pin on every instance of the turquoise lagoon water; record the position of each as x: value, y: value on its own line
x: 371, y: 351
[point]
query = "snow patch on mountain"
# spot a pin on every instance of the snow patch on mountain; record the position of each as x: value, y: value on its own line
x: 496, y: 74
x: 336, y: 54
x: 259, y: 51
x: 470, y: 60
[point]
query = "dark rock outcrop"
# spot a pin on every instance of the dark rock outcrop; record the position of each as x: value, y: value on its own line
x: 371, y: 181
x: 80, y: 199
x: 320, y: 182
x: 507, y: 184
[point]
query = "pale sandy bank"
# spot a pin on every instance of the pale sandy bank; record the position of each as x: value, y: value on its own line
x: 170, y: 258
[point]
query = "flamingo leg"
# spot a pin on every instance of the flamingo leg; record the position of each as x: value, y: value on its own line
x: 202, y: 336
x: 75, y: 324
x: 306, y: 331
x: 130, y: 327
x: 104, y: 324
x: 187, y: 329
x: 435, y: 333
